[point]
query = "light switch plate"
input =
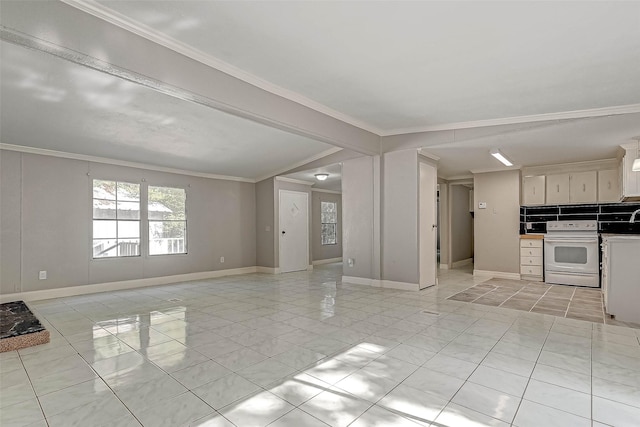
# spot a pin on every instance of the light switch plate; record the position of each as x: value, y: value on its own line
x: 482, y: 205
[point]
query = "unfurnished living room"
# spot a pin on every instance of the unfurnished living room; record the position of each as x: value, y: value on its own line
x: 319, y: 213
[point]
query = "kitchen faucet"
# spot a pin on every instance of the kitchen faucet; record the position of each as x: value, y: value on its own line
x: 633, y: 216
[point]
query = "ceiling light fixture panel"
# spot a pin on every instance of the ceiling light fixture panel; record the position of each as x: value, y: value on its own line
x: 321, y: 176
x: 501, y: 157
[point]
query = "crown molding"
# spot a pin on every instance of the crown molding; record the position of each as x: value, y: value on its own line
x: 106, y: 14
x: 322, y: 190
x: 457, y: 177
x: 564, y: 115
x: 497, y: 169
x: 294, y: 181
x: 107, y: 161
x: 300, y: 163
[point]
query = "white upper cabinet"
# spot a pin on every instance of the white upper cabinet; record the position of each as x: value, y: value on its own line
x: 558, y: 189
x: 533, y: 190
x: 608, y: 186
x: 583, y: 187
x: 630, y: 179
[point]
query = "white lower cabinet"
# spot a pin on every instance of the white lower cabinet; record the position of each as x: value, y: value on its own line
x: 531, y: 259
x: 621, y: 277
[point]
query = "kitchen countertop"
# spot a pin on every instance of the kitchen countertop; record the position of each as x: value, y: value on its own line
x: 532, y: 236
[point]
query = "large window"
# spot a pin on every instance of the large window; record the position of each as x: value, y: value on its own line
x: 167, y: 220
x: 329, y: 218
x: 116, y: 219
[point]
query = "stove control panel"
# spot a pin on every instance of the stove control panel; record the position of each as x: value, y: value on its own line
x: 572, y: 226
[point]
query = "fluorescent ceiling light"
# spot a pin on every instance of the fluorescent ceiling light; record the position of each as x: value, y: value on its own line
x: 498, y: 155
x: 321, y: 176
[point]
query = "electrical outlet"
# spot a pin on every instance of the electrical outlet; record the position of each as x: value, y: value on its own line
x: 221, y: 260
x: 351, y: 262
x: 42, y: 275
x: 482, y: 205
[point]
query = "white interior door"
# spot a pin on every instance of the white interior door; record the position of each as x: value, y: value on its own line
x: 428, y: 225
x: 294, y: 231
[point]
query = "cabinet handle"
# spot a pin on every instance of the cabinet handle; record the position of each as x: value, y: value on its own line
x: 557, y: 188
x: 609, y: 185
x: 534, y: 191
x: 584, y: 188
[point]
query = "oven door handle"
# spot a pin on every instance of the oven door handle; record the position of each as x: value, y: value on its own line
x: 547, y: 240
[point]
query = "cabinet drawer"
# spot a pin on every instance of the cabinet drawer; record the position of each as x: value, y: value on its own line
x: 530, y: 243
x: 531, y: 270
x: 532, y: 251
x: 531, y: 260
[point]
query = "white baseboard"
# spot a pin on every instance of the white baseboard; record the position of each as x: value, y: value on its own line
x: 327, y: 261
x: 310, y: 267
x: 496, y: 274
x: 390, y: 284
x: 118, y: 286
x: 268, y: 270
x: 462, y: 263
x: 443, y: 266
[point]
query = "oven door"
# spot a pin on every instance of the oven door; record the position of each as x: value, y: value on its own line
x: 572, y: 255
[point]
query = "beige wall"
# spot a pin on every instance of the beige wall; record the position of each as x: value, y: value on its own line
x: 359, y: 218
x: 265, y: 223
x: 497, y: 227
x: 54, y: 197
x: 319, y: 251
x: 461, y: 224
x: 400, y: 217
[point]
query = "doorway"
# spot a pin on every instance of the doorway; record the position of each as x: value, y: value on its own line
x: 294, y: 231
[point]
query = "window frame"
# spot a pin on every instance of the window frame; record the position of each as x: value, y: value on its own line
x: 334, y: 224
x: 116, y: 220
x: 149, y: 221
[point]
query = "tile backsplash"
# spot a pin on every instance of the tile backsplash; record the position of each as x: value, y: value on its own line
x: 611, y: 217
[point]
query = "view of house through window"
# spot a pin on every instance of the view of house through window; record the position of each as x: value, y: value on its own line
x: 329, y: 218
x: 167, y: 220
x: 116, y: 219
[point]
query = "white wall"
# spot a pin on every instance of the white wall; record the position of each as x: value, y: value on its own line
x: 496, y: 228
x: 48, y: 200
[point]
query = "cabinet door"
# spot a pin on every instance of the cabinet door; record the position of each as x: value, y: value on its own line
x: 533, y: 190
x: 583, y: 187
x: 630, y: 179
x: 557, y: 189
x: 608, y: 186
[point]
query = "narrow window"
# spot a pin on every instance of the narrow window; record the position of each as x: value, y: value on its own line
x: 116, y: 219
x: 329, y: 218
x: 167, y: 221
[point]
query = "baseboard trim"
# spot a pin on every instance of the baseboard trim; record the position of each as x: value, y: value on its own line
x: 268, y: 270
x: 123, y: 285
x: 462, y: 263
x: 310, y: 267
x: 377, y: 283
x: 327, y: 261
x: 496, y: 274
x: 443, y: 266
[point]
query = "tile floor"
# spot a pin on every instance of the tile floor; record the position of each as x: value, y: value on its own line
x: 558, y: 300
x: 300, y: 350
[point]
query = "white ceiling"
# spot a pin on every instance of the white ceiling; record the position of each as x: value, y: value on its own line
x: 58, y: 105
x: 399, y: 65
x: 388, y: 66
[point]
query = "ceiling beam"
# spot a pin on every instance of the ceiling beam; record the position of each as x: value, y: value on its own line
x: 58, y: 29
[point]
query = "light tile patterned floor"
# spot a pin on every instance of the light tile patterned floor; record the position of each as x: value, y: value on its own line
x: 300, y: 350
x: 572, y: 302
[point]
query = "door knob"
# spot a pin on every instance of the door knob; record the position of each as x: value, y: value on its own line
x: 283, y: 232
